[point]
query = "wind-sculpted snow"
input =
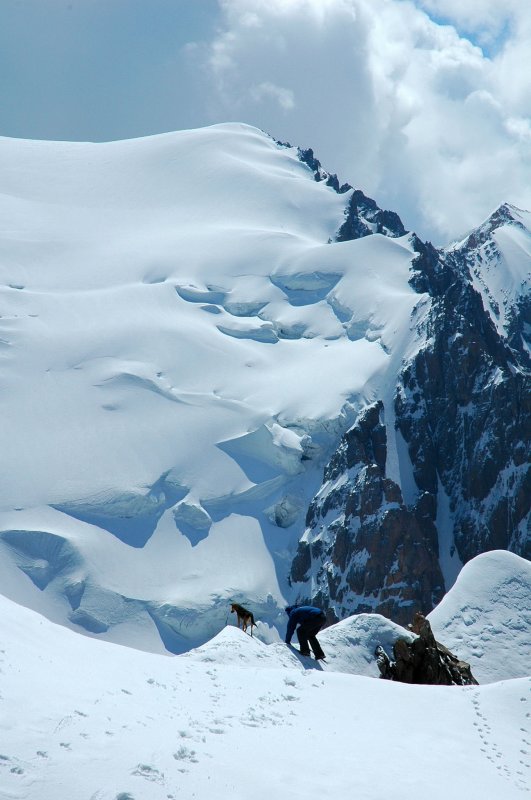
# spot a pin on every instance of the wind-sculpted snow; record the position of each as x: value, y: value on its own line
x: 86, y: 577
x: 183, y: 345
x: 486, y: 616
x: 190, y: 326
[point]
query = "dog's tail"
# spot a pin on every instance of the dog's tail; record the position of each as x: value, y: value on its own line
x: 252, y: 623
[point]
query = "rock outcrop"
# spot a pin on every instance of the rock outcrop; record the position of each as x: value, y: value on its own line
x: 363, y: 217
x: 423, y: 660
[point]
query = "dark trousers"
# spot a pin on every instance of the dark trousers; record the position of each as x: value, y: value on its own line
x: 307, y: 633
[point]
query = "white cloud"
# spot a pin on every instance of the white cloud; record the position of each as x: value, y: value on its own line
x: 403, y: 107
x: 284, y: 97
x: 488, y: 19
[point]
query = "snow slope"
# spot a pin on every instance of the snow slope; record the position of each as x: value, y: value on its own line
x: 179, y: 349
x: 239, y: 719
x: 486, y: 616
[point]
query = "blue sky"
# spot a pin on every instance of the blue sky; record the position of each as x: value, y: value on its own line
x: 100, y: 69
x: 425, y: 106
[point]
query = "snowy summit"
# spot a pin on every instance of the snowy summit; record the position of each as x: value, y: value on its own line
x: 226, y: 378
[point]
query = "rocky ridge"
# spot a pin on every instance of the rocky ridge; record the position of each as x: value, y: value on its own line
x: 461, y: 406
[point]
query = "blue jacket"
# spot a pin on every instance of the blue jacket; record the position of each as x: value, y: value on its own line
x: 300, y: 614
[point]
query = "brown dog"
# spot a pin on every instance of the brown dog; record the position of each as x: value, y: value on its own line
x: 246, y: 617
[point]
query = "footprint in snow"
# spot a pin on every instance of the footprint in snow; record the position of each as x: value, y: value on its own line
x: 184, y: 754
x: 5, y: 761
x: 153, y: 682
x: 149, y: 773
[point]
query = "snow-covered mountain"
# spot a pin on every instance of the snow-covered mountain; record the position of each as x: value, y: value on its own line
x: 226, y: 377
x: 194, y: 327
x: 437, y: 471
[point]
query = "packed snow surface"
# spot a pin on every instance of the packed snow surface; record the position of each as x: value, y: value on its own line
x: 238, y: 718
x: 486, y: 617
x: 180, y: 347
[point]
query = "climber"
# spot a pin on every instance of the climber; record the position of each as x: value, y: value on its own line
x: 310, y: 621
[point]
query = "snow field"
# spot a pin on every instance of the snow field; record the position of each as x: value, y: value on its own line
x: 238, y: 718
x: 181, y: 349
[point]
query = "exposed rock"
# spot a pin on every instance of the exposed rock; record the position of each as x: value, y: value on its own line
x: 364, y: 550
x: 320, y: 174
x: 363, y: 217
x: 463, y: 405
x: 423, y: 660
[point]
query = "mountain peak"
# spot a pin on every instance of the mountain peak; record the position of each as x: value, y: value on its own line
x: 505, y: 214
x: 363, y: 216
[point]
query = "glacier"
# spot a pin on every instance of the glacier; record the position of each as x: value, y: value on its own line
x: 187, y: 333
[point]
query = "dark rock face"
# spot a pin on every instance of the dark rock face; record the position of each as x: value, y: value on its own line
x: 331, y: 179
x: 463, y: 408
x: 463, y: 405
x: 364, y: 550
x: 363, y: 217
x: 424, y: 660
